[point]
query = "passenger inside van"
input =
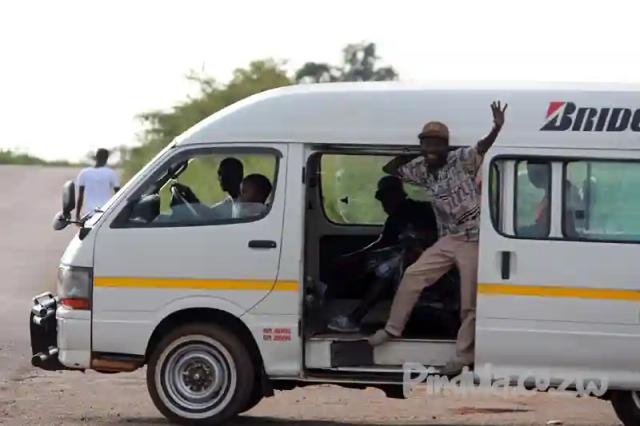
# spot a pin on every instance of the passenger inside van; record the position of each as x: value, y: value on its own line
x: 539, y: 173
x: 254, y: 192
x: 409, y: 229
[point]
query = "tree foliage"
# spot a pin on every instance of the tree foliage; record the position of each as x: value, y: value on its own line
x: 160, y: 127
x: 8, y: 156
x: 359, y: 63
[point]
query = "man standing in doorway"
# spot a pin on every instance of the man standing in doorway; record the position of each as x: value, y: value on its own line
x: 96, y: 185
x: 449, y: 177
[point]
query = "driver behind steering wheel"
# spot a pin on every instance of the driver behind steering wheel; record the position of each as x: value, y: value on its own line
x: 230, y: 175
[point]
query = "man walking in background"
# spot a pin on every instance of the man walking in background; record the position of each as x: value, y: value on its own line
x: 96, y: 185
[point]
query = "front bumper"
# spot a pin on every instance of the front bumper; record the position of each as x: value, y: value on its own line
x: 44, y: 334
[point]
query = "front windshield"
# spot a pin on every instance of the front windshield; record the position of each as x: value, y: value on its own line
x: 149, y: 166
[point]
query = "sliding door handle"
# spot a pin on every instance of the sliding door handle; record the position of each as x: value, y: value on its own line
x: 505, y: 262
x: 262, y: 244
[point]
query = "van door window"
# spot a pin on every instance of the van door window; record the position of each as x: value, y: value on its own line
x: 349, y: 184
x: 533, y: 199
x: 599, y: 200
x: 205, y: 187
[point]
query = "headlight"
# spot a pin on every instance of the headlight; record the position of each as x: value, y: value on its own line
x: 74, y: 287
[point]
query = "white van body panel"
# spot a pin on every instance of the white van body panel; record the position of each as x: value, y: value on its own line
x: 278, y: 339
x: 282, y: 303
x: 584, y: 331
x: 394, y: 113
x: 74, y: 337
x: 166, y: 266
x: 514, y: 333
x: 79, y: 252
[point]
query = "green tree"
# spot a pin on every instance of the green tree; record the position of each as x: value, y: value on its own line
x: 161, y: 127
x: 8, y: 156
x: 359, y: 63
x: 314, y: 72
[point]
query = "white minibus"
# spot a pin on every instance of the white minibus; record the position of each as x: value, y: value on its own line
x: 225, y: 304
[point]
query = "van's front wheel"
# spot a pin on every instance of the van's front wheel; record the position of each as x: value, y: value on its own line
x: 200, y: 374
x: 627, y: 406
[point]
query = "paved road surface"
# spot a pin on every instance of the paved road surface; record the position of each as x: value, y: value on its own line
x: 29, y: 253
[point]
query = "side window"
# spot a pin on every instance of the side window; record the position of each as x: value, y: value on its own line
x: 599, y: 200
x: 205, y: 187
x: 349, y: 184
x: 533, y: 199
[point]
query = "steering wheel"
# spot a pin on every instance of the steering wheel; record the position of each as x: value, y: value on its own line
x: 175, y: 191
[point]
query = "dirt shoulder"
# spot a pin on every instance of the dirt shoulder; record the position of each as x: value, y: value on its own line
x: 74, y: 398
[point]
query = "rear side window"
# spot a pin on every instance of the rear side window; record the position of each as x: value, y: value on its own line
x: 601, y: 200
x: 533, y: 199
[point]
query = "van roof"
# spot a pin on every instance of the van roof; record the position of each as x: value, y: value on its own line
x: 392, y: 113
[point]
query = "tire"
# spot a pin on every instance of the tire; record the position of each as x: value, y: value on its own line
x: 254, y: 398
x: 200, y: 374
x: 627, y: 407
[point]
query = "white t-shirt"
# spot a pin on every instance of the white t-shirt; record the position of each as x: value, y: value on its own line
x: 99, y: 184
x: 223, y: 209
x: 243, y: 210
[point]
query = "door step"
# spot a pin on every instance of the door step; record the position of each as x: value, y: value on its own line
x: 353, y: 351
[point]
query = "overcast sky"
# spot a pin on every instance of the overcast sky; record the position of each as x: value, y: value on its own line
x: 74, y: 74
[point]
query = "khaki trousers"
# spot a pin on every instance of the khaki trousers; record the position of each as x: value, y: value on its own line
x: 448, y: 251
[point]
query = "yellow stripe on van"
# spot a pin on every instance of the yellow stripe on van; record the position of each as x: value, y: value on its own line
x: 553, y: 291
x: 187, y: 283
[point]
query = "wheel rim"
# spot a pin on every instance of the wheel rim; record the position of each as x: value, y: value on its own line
x: 197, y: 376
x: 635, y: 396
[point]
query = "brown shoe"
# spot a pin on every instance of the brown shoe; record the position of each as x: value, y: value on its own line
x: 379, y: 337
x: 454, y: 368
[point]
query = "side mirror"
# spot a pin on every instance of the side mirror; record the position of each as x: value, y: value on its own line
x: 60, y: 222
x: 63, y: 218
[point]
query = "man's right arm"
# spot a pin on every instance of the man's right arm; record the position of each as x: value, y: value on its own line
x: 80, y: 202
x: 115, y: 181
x: 393, y: 166
x: 80, y: 183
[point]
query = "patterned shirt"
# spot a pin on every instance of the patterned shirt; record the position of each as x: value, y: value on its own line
x: 453, y: 189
